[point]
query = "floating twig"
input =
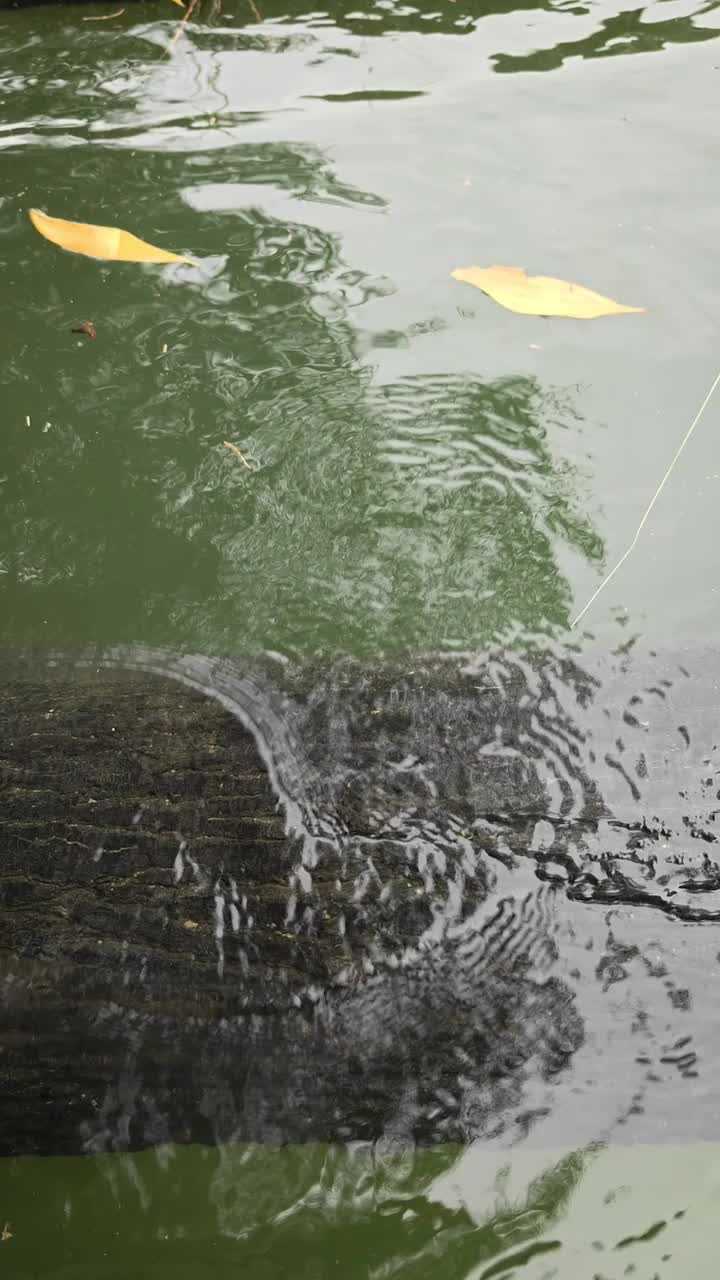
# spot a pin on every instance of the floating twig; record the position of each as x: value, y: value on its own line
x: 105, y: 17
x: 256, y: 12
x: 182, y: 25
x: 234, y: 449
x: 6, y: 1233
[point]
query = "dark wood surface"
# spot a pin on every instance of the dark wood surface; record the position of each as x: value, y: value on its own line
x: 339, y: 902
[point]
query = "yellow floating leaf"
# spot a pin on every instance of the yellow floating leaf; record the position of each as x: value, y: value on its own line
x: 100, y: 242
x: 181, y: 3
x: 528, y: 295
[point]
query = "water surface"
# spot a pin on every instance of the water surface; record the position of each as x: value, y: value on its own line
x: 427, y: 473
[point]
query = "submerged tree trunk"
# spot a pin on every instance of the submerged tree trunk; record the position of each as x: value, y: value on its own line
x: 341, y: 903
x: 131, y: 809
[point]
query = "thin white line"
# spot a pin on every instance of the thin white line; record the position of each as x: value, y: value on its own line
x: 652, y: 501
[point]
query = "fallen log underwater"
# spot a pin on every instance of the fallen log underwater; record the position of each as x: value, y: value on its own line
x: 422, y: 902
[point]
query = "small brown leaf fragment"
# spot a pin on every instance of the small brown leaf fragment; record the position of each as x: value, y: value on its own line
x: 234, y: 449
x: 86, y: 327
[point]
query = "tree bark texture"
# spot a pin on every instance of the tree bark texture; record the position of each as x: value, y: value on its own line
x: 338, y: 902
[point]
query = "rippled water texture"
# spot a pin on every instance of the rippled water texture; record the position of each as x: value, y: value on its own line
x: 323, y: 952
x: 422, y: 962
x: 429, y: 471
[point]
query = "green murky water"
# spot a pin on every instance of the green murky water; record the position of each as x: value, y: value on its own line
x: 427, y: 472
x: 318, y: 1211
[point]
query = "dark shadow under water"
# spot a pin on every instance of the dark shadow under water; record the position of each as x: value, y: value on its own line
x: 401, y: 905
